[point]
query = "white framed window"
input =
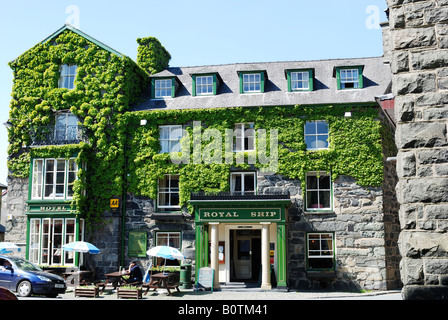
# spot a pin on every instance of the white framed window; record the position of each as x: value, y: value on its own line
x: 244, y: 137
x: 169, y: 137
x: 316, y: 135
x: 172, y: 239
x: 251, y: 82
x: 300, y: 81
x: 53, y: 178
x: 318, y: 191
x: 163, y: 88
x: 204, y: 85
x: 66, y: 127
x: 243, y: 183
x: 48, y: 235
x: 320, y: 251
x: 68, y: 75
x: 168, y: 193
x: 349, y: 78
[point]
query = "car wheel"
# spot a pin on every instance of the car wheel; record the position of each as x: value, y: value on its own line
x: 24, y: 289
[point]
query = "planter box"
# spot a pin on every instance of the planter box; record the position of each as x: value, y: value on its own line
x: 129, y: 293
x: 93, y: 292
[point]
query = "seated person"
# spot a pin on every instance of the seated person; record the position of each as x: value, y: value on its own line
x: 6, y: 266
x: 135, y: 273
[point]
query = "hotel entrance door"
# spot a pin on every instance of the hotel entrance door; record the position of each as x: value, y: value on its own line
x: 246, y: 254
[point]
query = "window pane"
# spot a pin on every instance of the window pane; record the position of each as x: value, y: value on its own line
x: 324, y: 182
x: 310, y: 128
x: 249, y: 184
x: 322, y: 127
x: 311, y: 182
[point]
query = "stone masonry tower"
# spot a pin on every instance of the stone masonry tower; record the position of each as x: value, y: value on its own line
x: 418, y: 41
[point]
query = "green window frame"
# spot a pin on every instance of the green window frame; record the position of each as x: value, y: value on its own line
x: 204, y: 84
x: 350, y: 77
x: 300, y: 80
x: 320, y: 251
x: 161, y: 89
x: 252, y: 81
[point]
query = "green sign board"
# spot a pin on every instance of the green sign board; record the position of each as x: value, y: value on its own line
x: 137, y: 243
x: 240, y: 214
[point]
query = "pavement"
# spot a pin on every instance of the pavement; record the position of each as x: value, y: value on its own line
x: 242, y: 294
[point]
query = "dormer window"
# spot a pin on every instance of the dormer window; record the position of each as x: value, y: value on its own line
x: 300, y: 80
x: 349, y: 77
x: 252, y: 81
x: 68, y: 75
x: 205, y: 84
x: 162, y: 88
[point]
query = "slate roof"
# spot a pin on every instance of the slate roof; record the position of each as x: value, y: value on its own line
x: 377, y: 78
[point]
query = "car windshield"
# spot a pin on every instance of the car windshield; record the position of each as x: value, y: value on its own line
x: 25, y: 265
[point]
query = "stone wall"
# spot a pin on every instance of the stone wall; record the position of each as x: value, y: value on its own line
x: 419, y: 60
x: 15, y: 229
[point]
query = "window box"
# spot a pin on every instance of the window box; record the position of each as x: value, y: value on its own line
x: 252, y: 81
x: 205, y: 84
x: 349, y: 77
x: 300, y: 80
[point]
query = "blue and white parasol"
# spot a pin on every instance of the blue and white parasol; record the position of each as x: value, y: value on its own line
x: 7, y: 247
x: 81, y: 246
x: 166, y: 252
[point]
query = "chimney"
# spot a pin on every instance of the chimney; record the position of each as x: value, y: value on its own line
x: 151, y: 55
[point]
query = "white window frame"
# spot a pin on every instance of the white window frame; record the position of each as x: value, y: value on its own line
x: 243, y: 132
x: 320, y: 253
x: 68, y: 76
x: 39, y: 179
x: 168, y: 190
x: 349, y: 76
x: 305, y: 80
x: 318, y: 190
x: 66, y: 127
x: 243, y: 175
x: 316, y: 135
x: 163, y: 88
x: 169, y: 235
x: 204, y: 85
x: 37, y: 252
x: 173, y: 138
x: 251, y: 82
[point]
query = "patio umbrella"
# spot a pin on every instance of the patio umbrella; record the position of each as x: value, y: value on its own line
x: 165, y: 252
x: 7, y: 247
x: 81, y: 246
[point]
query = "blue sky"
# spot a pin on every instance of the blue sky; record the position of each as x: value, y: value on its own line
x: 196, y: 32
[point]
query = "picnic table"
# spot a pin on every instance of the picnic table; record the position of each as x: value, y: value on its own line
x: 161, y: 281
x: 115, y: 278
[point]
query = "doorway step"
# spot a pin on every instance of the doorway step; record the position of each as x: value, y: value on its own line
x: 240, y: 286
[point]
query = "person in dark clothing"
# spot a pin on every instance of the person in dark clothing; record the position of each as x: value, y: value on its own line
x: 135, y: 273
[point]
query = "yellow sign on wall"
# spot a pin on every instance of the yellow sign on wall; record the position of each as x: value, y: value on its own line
x: 114, y: 203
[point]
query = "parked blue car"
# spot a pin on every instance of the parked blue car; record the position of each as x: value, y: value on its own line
x: 25, y: 278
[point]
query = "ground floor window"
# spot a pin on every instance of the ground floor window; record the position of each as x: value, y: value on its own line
x: 48, y: 235
x: 171, y: 239
x: 320, y: 251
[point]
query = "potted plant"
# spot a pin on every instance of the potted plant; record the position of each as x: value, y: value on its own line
x: 129, y: 291
x: 87, y: 291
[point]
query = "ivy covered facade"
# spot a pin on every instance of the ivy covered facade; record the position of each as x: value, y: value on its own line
x: 270, y: 173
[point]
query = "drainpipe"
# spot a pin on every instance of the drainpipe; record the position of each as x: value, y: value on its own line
x: 123, y: 213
